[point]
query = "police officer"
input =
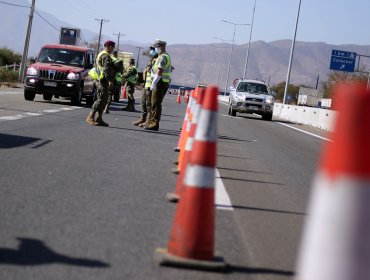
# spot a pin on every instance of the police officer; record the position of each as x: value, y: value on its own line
x: 161, y: 80
x: 147, y: 93
x: 129, y: 76
x: 115, y: 89
x: 106, y: 75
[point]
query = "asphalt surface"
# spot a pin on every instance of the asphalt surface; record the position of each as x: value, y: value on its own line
x: 84, y: 202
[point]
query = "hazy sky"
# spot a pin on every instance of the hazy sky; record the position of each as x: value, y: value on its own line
x: 198, y: 21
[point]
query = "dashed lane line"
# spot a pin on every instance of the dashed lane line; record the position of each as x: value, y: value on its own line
x: 35, y: 114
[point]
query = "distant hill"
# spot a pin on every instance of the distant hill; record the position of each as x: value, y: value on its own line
x: 194, y: 63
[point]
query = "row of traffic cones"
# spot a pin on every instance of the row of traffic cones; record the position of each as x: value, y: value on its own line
x: 336, y: 239
x: 191, y: 242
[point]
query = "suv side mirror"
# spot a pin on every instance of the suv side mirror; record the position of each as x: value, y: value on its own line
x: 273, y: 93
x: 232, y: 88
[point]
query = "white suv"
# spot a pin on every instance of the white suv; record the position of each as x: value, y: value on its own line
x: 251, y: 96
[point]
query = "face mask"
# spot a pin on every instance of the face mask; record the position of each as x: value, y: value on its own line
x: 153, y: 53
x: 158, y: 50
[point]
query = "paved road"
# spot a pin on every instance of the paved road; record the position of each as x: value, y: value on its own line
x: 83, y: 202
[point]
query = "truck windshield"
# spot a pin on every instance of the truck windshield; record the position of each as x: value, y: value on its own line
x: 252, y: 88
x: 62, y: 56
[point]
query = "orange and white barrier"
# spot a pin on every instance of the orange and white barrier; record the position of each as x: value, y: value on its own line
x: 191, y: 242
x: 336, y: 240
x: 174, y: 197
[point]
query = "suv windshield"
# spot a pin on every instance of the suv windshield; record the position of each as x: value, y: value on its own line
x: 252, y: 88
x: 62, y: 56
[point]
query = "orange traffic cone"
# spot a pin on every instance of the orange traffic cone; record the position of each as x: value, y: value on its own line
x: 186, y: 119
x: 174, y: 197
x: 178, y: 98
x: 336, y: 239
x: 124, y: 92
x: 186, y: 133
x: 191, y: 241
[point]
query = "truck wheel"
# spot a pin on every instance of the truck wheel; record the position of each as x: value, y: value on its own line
x: 267, y: 116
x: 47, y: 96
x: 77, y: 97
x: 29, y: 95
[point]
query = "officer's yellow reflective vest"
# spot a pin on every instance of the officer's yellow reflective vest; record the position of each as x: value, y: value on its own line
x: 166, y: 74
x: 132, y: 78
x: 99, y: 67
x: 93, y: 74
x: 149, y: 78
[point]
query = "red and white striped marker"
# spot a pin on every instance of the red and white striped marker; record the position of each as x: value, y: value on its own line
x: 186, y: 119
x: 336, y: 240
x: 191, y: 241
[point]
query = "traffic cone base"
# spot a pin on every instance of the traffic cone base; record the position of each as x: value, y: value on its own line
x: 164, y: 258
x: 353, y: 223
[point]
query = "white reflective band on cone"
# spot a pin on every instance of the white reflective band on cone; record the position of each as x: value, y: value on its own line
x: 207, y: 126
x: 200, y: 177
x: 336, y: 240
x: 189, y: 144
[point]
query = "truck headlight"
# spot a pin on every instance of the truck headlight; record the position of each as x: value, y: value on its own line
x: 239, y: 96
x: 269, y: 100
x: 31, y: 71
x: 73, y: 76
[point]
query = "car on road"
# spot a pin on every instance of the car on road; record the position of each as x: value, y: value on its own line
x: 251, y: 96
x: 61, y: 71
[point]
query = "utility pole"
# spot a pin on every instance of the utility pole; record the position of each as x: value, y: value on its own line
x: 101, y: 26
x: 119, y: 35
x: 26, y: 43
x: 137, y: 60
x: 249, y: 43
x: 291, y: 53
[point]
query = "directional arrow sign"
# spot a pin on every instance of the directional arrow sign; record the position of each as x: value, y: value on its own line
x: 342, y: 61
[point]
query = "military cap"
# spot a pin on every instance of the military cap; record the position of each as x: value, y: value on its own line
x: 109, y: 43
x: 158, y: 43
x: 132, y: 61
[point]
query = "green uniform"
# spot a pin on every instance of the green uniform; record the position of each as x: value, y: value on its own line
x: 147, y: 94
x: 114, y: 90
x: 129, y: 76
x: 164, y: 62
x: 106, y: 74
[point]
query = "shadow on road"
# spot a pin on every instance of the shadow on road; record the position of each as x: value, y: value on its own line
x: 160, y: 131
x: 8, y: 141
x: 242, y: 170
x: 35, y: 252
x: 261, y: 209
x: 228, y: 156
x: 253, y: 181
x: 255, y: 270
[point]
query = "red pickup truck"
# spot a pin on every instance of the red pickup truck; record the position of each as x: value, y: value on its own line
x: 61, y: 71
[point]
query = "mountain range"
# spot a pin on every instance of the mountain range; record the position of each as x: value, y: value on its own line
x: 194, y: 64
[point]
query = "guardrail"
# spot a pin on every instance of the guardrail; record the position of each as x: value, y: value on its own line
x: 316, y: 117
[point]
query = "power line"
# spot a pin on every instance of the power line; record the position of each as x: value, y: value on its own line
x: 10, y: 4
x: 47, y: 21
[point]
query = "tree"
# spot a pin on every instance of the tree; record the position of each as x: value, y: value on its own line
x: 336, y: 76
x: 293, y: 91
x: 8, y: 57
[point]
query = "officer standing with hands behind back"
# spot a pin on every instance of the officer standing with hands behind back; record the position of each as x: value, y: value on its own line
x: 161, y: 73
x: 106, y: 75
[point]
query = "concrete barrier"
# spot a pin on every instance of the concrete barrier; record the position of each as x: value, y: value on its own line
x: 316, y: 117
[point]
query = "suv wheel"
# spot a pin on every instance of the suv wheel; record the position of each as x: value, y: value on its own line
x: 29, y: 95
x: 77, y: 97
x: 267, y: 116
x: 47, y: 96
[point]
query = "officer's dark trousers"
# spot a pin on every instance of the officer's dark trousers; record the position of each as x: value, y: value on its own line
x: 102, y: 96
x: 157, y: 97
x: 146, y: 104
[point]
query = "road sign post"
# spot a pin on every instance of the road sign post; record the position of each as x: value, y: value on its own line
x: 342, y: 61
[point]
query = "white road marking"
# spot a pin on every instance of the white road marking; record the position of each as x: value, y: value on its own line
x: 35, y: 114
x: 222, y: 198
x: 231, y: 116
x: 309, y: 133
